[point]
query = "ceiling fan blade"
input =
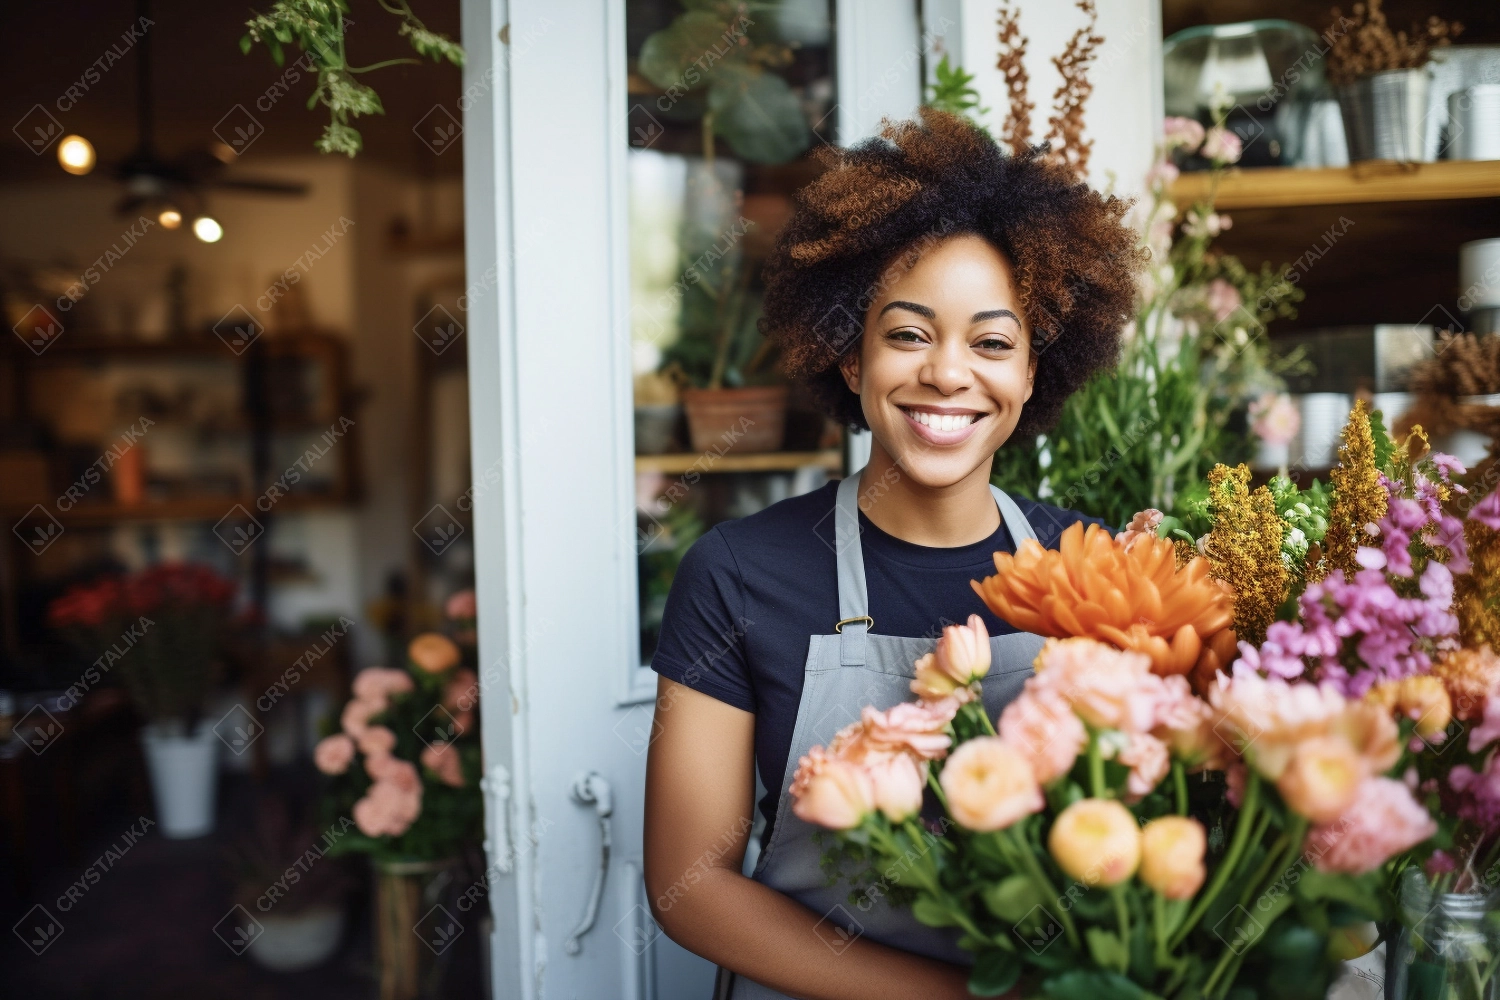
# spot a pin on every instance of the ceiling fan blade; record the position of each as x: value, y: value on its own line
x: 257, y: 186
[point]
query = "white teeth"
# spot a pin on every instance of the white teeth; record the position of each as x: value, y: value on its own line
x: 943, y: 422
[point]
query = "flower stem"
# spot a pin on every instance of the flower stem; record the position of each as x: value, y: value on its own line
x: 1179, y: 784
x: 1122, y: 914
x: 1034, y: 869
x: 1231, y: 858
x: 1096, y: 767
x: 1159, y: 921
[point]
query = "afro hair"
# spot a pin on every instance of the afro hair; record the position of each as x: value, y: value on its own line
x: 881, y: 203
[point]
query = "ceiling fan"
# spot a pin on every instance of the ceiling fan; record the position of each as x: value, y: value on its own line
x: 172, y: 189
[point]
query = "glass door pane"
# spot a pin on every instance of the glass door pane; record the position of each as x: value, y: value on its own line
x: 727, y: 102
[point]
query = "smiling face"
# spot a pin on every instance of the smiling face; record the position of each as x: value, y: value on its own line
x: 945, y: 362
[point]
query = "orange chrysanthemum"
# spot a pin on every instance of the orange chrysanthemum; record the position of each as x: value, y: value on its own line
x: 1129, y: 594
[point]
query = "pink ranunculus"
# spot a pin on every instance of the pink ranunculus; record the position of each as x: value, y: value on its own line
x: 1487, y: 511
x: 916, y: 729
x: 391, y: 770
x: 442, y: 759
x: 387, y: 810
x: 1149, y: 762
x: 461, y: 605
x: 1275, y: 418
x: 1222, y: 299
x: 831, y: 792
x: 333, y: 754
x: 1383, y: 821
x: 376, y: 741
x: 897, y: 780
x: 1221, y: 145
x: 1184, y: 132
x: 463, y: 722
x: 462, y: 691
x: 1109, y: 688
x: 356, y: 716
x: 376, y: 684
x: 1161, y: 175
x: 1142, y: 524
x: 1042, y: 727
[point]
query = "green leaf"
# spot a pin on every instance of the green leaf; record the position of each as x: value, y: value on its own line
x: 1106, y: 948
x: 932, y: 912
x: 1361, y: 893
x: 1383, y: 445
x: 680, y: 54
x: 245, y: 43
x: 995, y: 971
x: 1092, y: 985
x: 1011, y: 899
x: 758, y: 115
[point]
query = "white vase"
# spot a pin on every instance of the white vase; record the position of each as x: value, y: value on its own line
x: 184, y: 773
x: 300, y: 941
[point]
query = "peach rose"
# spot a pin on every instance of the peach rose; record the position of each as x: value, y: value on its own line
x: 461, y: 604
x: 461, y: 691
x: 433, y: 652
x: 989, y: 785
x: 388, y: 770
x: 441, y: 759
x: 831, y: 792
x: 1373, y: 734
x: 962, y: 656
x: 1184, y: 722
x: 1172, y: 849
x: 1320, y: 780
x: 356, y: 716
x: 387, y: 810
x: 1042, y: 726
x: 897, y: 781
x: 1265, y: 718
x: 463, y: 722
x: 1383, y: 821
x: 334, y: 754
x: 376, y: 741
x: 1149, y: 762
x: 376, y: 684
x: 1109, y: 688
x: 1096, y: 842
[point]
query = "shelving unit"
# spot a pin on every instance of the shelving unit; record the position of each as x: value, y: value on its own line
x: 1361, y: 183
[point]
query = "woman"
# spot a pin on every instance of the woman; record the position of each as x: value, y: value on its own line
x: 944, y: 296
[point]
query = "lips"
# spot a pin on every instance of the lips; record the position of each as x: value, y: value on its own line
x: 942, y: 428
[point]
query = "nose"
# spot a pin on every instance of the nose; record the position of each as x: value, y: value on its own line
x: 947, y: 369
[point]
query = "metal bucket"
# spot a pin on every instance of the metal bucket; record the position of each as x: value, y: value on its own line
x: 1385, y: 115
x: 1474, y: 123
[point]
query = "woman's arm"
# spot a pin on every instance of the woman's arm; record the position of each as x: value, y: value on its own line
x: 699, y: 800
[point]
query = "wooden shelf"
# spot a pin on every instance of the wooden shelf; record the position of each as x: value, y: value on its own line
x: 210, y: 508
x: 1362, y: 183
x: 831, y: 459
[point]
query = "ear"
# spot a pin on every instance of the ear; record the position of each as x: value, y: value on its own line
x: 1031, y: 374
x: 849, y: 368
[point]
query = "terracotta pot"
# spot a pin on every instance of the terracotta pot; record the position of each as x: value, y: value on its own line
x: 748, y: 419
x: 410, y: 929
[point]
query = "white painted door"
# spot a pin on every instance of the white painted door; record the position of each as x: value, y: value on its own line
x: 566, y: 702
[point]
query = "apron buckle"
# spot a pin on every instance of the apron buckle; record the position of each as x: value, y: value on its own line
x: 858, y: 618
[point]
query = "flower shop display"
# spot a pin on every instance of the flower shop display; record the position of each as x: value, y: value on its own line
x: 160, y: 630
x: 1261, y: 737
x: 405, y: 767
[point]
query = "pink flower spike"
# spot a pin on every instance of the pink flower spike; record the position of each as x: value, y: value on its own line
x: 1370, y: 558
x: 1487, y: 511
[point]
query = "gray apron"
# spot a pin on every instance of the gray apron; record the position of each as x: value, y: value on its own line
x: 845, y: 671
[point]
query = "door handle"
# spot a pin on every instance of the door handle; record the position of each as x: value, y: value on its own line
x: 591, y: 789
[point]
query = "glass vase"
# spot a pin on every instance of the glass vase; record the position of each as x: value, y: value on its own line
x: 1449, y: 952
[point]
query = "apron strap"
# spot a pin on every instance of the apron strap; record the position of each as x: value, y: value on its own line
x: 854, y: 599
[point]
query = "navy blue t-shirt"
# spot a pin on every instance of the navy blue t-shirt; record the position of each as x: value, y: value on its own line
x: 750, y: 592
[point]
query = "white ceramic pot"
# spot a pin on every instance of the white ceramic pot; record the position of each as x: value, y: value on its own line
x: 298, y: 941
x: 184, y: 775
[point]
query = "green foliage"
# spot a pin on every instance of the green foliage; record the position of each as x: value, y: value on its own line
x: 317, y: 28
x: 953, y: 91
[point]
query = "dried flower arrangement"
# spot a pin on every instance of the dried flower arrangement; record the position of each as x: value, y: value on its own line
x: 1365, y: 43
x: 1065, y: 125
x: 1463, y: 364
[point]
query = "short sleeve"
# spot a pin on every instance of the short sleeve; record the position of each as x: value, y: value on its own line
x: 702, y: 641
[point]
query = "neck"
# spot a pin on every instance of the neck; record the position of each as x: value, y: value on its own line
x: 941, y: 517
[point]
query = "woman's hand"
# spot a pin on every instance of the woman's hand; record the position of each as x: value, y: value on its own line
x: 700, y: 790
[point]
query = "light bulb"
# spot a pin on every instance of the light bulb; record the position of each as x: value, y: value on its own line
x: 207, y: 229
x: 169, y: 218
x: 75, y: 154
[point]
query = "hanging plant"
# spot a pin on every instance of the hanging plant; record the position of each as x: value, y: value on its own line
x: 317, y: 28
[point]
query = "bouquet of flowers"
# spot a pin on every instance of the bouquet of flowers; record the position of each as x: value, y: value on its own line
x: 1239, y: 754
x: 406, y: 761
x: 164, y: 627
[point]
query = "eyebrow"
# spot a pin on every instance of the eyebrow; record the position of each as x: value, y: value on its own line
x: 921, y: 310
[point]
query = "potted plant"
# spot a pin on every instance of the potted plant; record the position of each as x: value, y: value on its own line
x: 285, y: 880
x: 162, y: 628
x: 1381, y: 79
x: 405, y: 767
x: 732, y: 401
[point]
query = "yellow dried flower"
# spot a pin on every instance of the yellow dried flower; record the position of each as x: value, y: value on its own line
x: 1358, y: 497
x: 1244, y: 549
x: 1476, y: 594
x: 1468, y: 675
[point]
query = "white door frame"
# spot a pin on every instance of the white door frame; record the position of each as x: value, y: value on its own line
x: 553, y: 462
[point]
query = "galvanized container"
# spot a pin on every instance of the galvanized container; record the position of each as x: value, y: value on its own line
x: 1385, y: 115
